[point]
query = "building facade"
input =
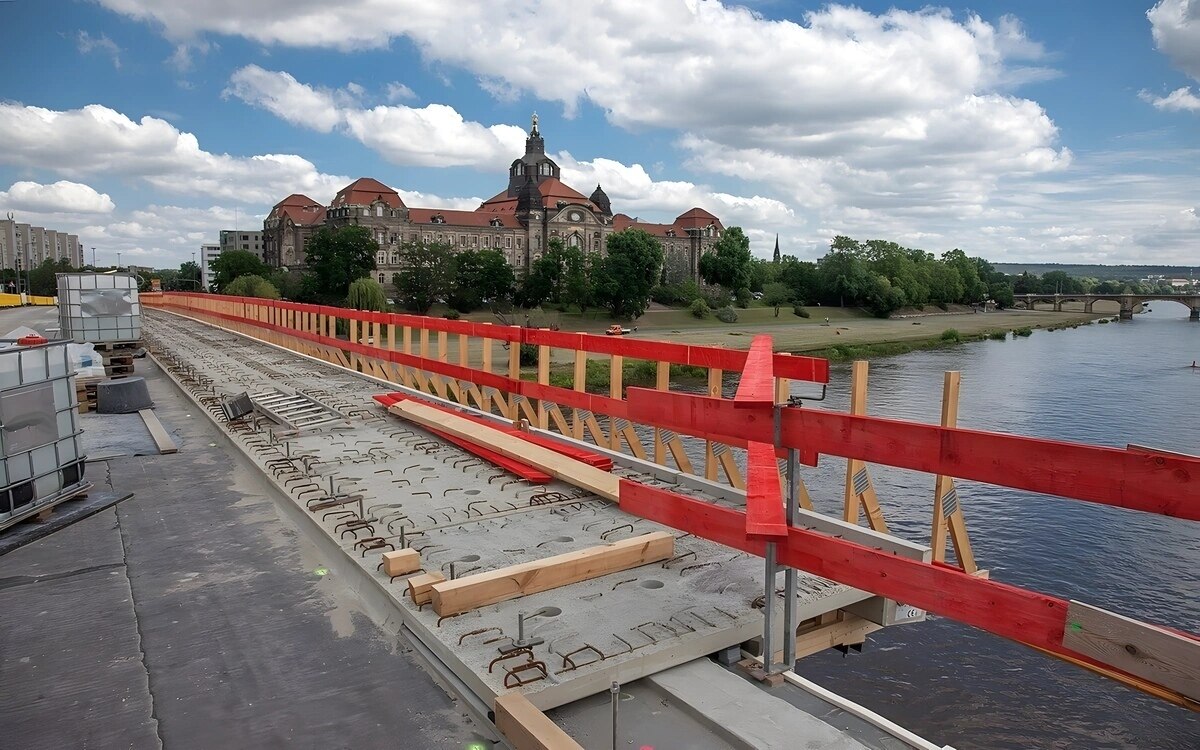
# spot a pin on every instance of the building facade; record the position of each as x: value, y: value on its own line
x: 520, y: 221
x: 250, y: 240
x: 208, y: 253
x: 23, y: 246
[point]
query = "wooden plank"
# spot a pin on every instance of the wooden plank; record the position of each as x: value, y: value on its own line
x: 1137, y: 479
x: 764, y: 495
x: 1152, y: 653
x: 401, y: 562
x: 527, y: 728
x: 162, y: 439
x: 757, y: 384
x: 1028, y: 617
x: 555, y: 464
x: 420, y: 588
x: 848, y: 630
x: 479, y: 590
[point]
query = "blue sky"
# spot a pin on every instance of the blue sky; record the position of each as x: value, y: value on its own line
x: 1027, y: 131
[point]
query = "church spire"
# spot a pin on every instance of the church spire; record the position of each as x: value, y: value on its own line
x: 777, y: 248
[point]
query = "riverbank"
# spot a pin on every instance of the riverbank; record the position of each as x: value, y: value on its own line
x: 848, y: 335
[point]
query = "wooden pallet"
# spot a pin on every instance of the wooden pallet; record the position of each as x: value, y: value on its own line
x: 118, y: 346
x: 85, y: 393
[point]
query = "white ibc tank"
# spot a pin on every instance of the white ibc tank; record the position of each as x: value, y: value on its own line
x: 99, y: 307
x: 40, y: 459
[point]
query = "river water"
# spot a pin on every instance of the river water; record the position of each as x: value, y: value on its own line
x: 1106, y: 384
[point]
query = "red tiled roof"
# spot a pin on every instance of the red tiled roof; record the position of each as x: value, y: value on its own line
x: 697, y: 218
x: 364, y: 191
x: 457, y: 218
x: 552, y: 191
x: 301, y: 209
x: 622, y: 221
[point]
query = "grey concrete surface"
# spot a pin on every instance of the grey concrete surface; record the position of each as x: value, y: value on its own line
x: 747, y: 717
x: 195, y: 616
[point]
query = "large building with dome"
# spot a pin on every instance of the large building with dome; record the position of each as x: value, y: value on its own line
x: 519, y: 221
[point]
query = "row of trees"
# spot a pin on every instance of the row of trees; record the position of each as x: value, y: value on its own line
x: 878, y: 275
x: 619, y: 282
x: 1059, y: 282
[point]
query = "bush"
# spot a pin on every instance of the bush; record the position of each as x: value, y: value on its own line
x: 743, y: 298
x: 1024, y: 331
x: 951, y: 334
x: 251, y: 286
x: 699, y: 309
x: 727, y: 315
x: 529, y: 355
x: 800, y: 311
x: 367, y: 294
x: 998, y: 335
x: 669, y: 294
x: 1102, y: 321
x: 452, y: 315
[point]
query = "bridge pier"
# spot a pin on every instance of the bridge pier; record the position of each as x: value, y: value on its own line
x: 1194, y: 315
x: 1126, y: 313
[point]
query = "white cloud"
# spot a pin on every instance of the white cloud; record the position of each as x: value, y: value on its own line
x: 96, y: 140
x: 1175, y: 25
x: 843, y: 111
x: 1180, y: 100
x: 88, y: 44
x: 634, y: 192
x: 285, y: 97
x: 433, y: 136
x: 59, y: 197
x: 397, y: 91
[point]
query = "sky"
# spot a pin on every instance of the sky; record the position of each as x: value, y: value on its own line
x: 1021, y: 131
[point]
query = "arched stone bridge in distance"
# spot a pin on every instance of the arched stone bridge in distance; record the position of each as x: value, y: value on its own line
x: 1128, y: 302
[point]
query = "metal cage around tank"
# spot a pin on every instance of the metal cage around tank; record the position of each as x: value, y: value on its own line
x: 41, y: 461
x: 99, y: 307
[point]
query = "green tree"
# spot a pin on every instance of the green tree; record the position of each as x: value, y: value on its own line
x: 843, y: 276
x: 42, y: 281
x: 623, y: 279
x: 338, y: 257
x: 366, y: 294
x: 559, y: 277
x: 188, y: 278
x: 481, y: 277
x: 231, y: 264
x: 251, y: 285
x: 800, y: 276
x: 729, y: 262
x: 426, y: 275
x: 776, y: 294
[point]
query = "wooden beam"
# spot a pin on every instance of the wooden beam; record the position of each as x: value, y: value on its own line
x: 527, y: 728
x: 401, y: 562
x: 847, y: 631
x: 479, y: 590
x: 757, y: 383
x: 1152, y: 653
x: 553, y: 463
x: 162, y: 439
x: 860, y: 490
x: 420, y: 588
x: 1137, y: 479
x: 1028, y: 617
x: 947, y: 508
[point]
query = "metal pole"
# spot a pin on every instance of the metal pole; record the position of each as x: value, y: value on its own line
x: 789, y: 574
x: 768, y: 609
x: 615, y: 690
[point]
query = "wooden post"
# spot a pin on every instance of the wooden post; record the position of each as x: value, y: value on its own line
x: 514, y: 374
x: 616, y: 371
x: 710, y: 458
x: 662, y: 382
x: 485, y: 402
x: 579, y: 384
x: 860, y: 491
x: 543, y: 378
x: 947, y: 510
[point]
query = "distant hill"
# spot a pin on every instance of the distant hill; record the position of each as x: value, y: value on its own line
x: 1117, y: 273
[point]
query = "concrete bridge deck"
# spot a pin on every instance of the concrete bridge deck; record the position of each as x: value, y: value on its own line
x: 455, y: 509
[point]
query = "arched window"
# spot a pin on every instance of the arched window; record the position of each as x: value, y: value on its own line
x: 380, y: 278
x: 574, y: 241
